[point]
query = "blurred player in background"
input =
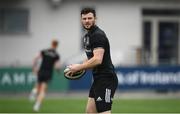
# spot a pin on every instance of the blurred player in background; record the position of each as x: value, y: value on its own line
x: 97, y: 50
x: 49, y: 60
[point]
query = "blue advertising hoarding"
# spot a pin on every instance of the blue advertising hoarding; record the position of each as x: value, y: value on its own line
x: 83, y: 83
x: 161, y: 77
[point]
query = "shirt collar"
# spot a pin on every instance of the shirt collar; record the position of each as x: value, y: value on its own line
x: 93, y: 28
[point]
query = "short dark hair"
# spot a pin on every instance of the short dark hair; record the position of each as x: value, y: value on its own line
x: 88, y: 10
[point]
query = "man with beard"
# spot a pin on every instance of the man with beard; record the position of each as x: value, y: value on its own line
x: 97, y: 50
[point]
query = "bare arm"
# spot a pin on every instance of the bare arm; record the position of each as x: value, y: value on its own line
x: 85, y: 60
x: 57, y: 65
x: 91, y: 63
x: 35, y: 62
x: 95, y: 60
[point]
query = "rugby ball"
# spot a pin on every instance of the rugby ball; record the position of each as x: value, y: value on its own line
x: 75, y: 76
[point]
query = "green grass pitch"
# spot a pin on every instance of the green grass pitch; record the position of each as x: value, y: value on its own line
x: 12, y: 105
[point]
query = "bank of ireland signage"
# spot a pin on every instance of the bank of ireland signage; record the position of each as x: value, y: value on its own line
x: 148, y: 77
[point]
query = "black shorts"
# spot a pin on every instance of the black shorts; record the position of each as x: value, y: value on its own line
x: 103, y: 90
x: 44, y: 78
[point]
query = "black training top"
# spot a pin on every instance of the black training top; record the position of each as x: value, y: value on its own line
x: 97, y: 38
x: 49, y: 57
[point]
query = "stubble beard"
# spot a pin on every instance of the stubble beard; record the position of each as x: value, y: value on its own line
x: 88, y: 28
